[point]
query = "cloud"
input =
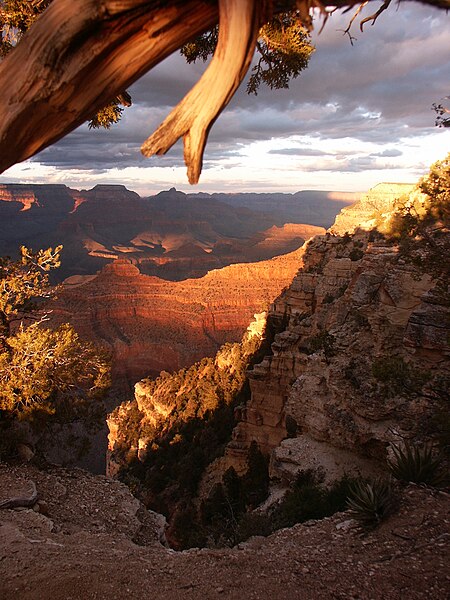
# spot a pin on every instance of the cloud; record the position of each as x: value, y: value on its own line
x: 378, y: 92
x: 389, y: 153
x: 298, y: 152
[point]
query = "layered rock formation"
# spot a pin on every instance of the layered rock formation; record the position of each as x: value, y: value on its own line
x: 170, y: 235
x: 362, y: 345
x: 358, y: 345
x: 151, y: 324
x: 372, y: 209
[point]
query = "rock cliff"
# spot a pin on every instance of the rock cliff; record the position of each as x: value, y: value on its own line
x: 152, y: 324
x: 170, y: 235
x: 360, y: 350
x: 357, y: 349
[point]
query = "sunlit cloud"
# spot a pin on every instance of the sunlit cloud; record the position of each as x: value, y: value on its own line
x: 358, y: 115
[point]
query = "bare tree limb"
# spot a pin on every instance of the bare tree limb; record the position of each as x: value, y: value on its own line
x: 375, y: 15
x: 239, y: 23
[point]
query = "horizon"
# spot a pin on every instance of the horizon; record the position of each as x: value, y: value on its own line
x: 357, y: 116
x: 79, y: 188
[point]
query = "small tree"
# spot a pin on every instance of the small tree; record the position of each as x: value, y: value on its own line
x: 41, y: 369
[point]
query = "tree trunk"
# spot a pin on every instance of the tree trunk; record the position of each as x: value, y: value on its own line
x: 78, y: 56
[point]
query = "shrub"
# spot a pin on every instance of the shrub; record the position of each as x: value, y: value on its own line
x: 370, y: 502
x: 310, y: 499
x: 417, y: 464
x: 356, y: 254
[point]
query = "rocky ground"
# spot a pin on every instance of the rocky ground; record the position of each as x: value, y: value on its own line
x: 87, y: 537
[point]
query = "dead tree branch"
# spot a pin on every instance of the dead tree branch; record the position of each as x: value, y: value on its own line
x: 239, y: 23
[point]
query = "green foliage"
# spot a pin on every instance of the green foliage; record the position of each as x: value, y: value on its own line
x: 256, y: 480
x: 436, y: 185
x: 23, y: 283
x: 106, y: 116
x: 417, y: 464
x: 322, y: 341
x: 398, y: 376
x: 370, y: 502
x: 16, y: 16
x: 309, y: 499
x: 390, y: 369
x: 202, y: 47
x: 41, y: 369
x: 283, y: 46
x: 421, y: 225
x: 226, y: 514
x: 442, y: 120
x: 356, y: 254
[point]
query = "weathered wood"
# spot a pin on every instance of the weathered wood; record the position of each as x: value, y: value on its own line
x: 82, y: 53
x: 239, y: 23
x: 22, y: 501
x: 77, y: 56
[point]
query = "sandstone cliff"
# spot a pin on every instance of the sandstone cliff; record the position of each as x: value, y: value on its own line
x: 151, y: 324
x: 361, y: 349
x: 358, y: 350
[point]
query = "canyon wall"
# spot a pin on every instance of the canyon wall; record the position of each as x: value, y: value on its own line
x: 170, y: 235
x: 356, y: 350
x: 151, y: 324
x: 360, y: 351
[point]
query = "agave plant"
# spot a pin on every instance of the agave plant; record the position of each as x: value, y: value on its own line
x: 418, y: 464
x: 370, y: 502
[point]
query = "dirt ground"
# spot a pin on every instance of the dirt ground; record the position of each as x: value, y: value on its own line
x: 88, y: 538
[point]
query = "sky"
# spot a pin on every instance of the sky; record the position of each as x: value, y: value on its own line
x: 359, y: 115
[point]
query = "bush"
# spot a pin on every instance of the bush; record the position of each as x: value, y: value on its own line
x: 370, y: 502
x: 416, y: 464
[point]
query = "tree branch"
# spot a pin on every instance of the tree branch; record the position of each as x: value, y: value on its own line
x: 192, y: 118
x: 79, y: 55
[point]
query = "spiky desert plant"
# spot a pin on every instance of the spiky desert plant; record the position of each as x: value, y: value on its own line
x: 370, y: 502
x: 417, y: 464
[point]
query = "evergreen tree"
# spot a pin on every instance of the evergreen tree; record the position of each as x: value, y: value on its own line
x: 41, y: 369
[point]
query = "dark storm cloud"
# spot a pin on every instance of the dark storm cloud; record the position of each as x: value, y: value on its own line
x: 379, y: 90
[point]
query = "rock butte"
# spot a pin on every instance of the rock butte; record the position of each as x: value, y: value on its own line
x: 152, y: 324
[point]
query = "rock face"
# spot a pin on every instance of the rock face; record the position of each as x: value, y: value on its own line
x: 360, y: 344
x: 151, y: 324
x: 357, y: 351
x: 368, y: 212
x: 170, y: 235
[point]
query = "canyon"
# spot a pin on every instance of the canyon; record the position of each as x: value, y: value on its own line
x: 170, y: 235
x: 355, y: 355
x: 151, y: 324
x: 351, y: 356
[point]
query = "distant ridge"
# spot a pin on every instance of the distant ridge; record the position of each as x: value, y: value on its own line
x: 171, y: 235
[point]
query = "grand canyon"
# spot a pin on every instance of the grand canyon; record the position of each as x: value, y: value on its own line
x: 163, y: 281
x: 303, y: 356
